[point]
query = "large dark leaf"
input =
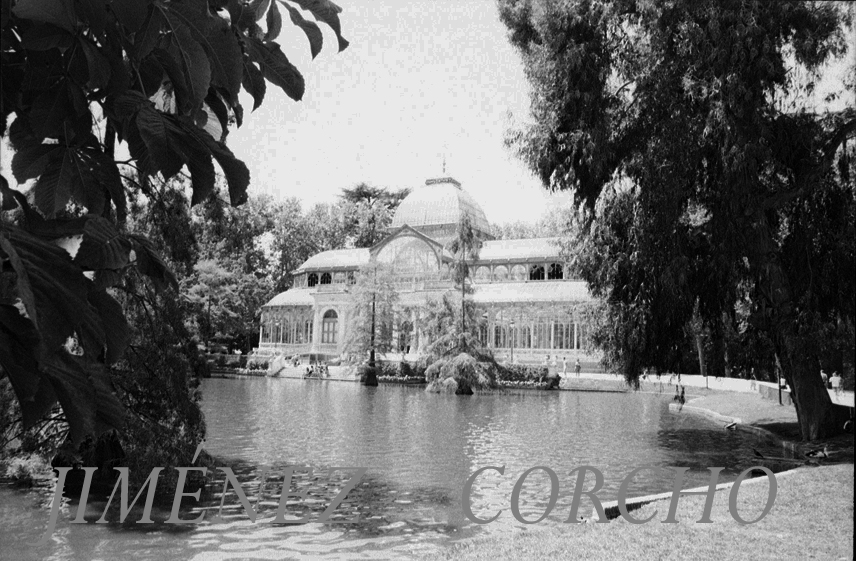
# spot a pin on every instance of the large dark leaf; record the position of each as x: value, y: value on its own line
x: 201, y: 170
x: 328, y: 12
x: 254, y: 11
x: 85, y: 393
x: 31, y: 159
x: 151, y: 74
x: 274, y: 23
x: 86, y: 189
x: 102, y: 247
x: 130, y: 13
x: 193, y: 60
x: 217, y: 38
x: 113, y: 320
x: 276, y: 67
x: 51, y: 229
x: 20, y: 343
x: 226, y: 58
x: 254, y: 82
x: 236, y: 172
x: 216, y: 105
x: 94, y: 12
x: 22, y: 282
x: 150, y: 264
x: 152, y: 127
x: 176, y: 75
x: 56, y: 290
x: 43, y: 37
x: 7, y: 196
x: 49, y: 111
x: 310, y: 28
x: 98, y: 65
x: 53, y: 189
x: 57, y: 12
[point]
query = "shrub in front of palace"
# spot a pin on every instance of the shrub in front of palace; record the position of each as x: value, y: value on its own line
x: 460, y: 375
x: 400, y: 372
x: 525, y: 376
x: 521, y: 373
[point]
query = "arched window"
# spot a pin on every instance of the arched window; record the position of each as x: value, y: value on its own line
x: 405, y: 335
x: 555, y: 272
x: 329, y: 326
x: 499, y: 337
x: 518, y: 273
x: 339, y: 278
x: 563, y: 335
x: 326, y: 278
x: 536, y: 272
x: 312, y: 279
x: 352, y: 278
x: 500, y: 273
x: 286, y: 333
x: 298, y: 331
x: 482, y: 274
x: 525, y: 337
x: 307, y: 330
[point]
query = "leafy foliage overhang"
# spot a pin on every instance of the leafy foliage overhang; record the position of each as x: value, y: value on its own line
x: 78, y: 78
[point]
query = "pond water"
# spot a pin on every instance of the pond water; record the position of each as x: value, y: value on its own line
x: 418, y: 449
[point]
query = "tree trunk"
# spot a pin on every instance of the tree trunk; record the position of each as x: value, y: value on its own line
x: 702, y: 368
x: 815, y: 412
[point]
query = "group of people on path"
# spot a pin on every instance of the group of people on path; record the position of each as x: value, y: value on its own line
x: 317, y: 371
x: 577, y: 365
x: 833, y: 383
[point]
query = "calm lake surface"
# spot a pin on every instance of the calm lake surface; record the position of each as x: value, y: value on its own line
x: 419, y: 450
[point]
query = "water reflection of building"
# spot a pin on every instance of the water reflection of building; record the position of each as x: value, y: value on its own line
x: 528, y: 300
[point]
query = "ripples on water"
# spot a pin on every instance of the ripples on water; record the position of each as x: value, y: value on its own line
x: 419, y: 449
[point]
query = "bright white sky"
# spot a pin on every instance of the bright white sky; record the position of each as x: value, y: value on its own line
x: 420, y: 79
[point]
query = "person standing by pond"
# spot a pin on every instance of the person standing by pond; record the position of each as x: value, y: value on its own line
x: 577, y: 367
x: 825, y: 379
x: 835, y: 382
x: 564, y: 366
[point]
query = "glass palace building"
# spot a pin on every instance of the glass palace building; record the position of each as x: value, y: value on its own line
x: 528, y: 304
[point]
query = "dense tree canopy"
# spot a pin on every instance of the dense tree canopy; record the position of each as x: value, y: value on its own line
x: 703, y: 189
x: 369, y: 211
x: 79, y: 80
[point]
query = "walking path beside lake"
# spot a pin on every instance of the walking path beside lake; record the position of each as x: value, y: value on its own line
x: 812, y: 517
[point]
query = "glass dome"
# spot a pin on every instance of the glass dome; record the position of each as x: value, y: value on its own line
x: 439, y: 203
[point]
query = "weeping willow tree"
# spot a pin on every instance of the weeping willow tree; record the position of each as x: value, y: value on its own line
x: 375, y: 302
x: 709, y: 178
x: 458, y: 360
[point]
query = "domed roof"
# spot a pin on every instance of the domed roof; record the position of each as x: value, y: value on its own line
x: 440, y: 202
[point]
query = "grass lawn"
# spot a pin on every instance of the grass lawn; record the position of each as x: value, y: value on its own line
x: 812, y: 518
x: 752, y: 409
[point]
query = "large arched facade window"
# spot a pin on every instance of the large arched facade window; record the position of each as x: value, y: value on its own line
x: 329, y: 327
x: 500, y: 273
x: 312, y: 279
x: 286, y: 333
x: 405, y: 336
x: 555, y: 272
x: 307, y: 331
x: 482, y: 274
x: 409, y: 258
x: 326, y: 278
x: 536, y: 272
x: 518, y: 273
